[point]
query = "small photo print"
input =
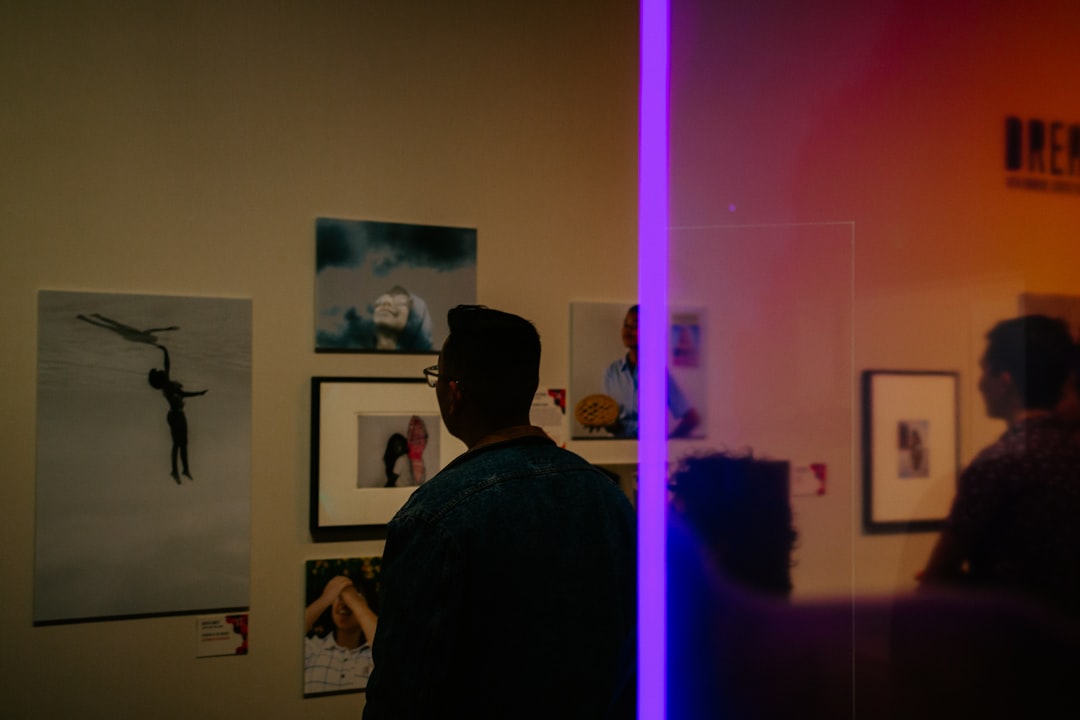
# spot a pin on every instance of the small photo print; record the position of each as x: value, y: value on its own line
x: 396, y: 450
x: 340, y: 617
x: 914, y: 455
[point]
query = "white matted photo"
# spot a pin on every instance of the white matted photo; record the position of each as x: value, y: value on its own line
x: 910, y: 449
x: 361, y: 474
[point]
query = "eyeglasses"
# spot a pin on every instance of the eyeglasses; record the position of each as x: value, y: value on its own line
x: 431, y: 374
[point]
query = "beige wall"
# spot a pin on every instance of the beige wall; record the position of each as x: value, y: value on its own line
x: 186, y: 149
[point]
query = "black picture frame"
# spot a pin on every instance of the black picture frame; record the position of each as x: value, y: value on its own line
x: 349, y: 418
x: 910, y: 449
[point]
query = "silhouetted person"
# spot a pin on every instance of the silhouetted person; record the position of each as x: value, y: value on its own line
x: 126, y: 331
x: 738, y: 653
x: 1014, y: 526
x: 740, y: 509
x: 1069, y: 406
x: 174, y: 394
x: 508, y: 577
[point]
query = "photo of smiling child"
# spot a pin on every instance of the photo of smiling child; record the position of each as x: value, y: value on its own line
x: 339, y: 624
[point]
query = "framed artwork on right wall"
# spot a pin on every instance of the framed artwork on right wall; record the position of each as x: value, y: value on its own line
x: 910, y: 449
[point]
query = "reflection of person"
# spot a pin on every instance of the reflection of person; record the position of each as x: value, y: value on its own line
x: 740, y: 509
x: 1013, y: 524
x: 933, y: 656
x: 174, y: 394
x: 396, y: 460
x: 730, y: 516
x: 341, y: 659
x: 1068, y: 408
x: 399, y: 321
x: 512, y: 539
x: 620, y: 381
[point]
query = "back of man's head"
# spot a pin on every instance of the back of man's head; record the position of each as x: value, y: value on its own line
x: 1035, y: 351
x: 496, y: 357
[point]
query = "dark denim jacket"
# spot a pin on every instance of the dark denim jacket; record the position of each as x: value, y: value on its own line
x: 507, y: 590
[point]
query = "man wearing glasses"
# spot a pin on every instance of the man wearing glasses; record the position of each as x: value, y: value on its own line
x: 508, y: 578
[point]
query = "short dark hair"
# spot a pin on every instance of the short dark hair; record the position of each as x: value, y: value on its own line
x: 739, y: 507
x: 1035, y: 350
x: 496, y: 357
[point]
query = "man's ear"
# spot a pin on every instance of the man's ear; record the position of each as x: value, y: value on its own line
x: 1012, y: 391
x: 1006, y: 379
x: 455, y: 398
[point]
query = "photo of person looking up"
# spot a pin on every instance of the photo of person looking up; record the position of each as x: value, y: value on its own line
x: 402, y: 321
x: 382, y: 287
x: 397, y: 321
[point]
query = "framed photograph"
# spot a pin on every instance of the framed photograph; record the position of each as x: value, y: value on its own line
x: 603, y: 372
x: 385, y: 287
x: 143, y: 486
x: 338, y: 631
x: 910, y: 449
x: 373, y: 442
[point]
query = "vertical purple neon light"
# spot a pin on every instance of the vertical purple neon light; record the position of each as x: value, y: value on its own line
x: 652, y: 356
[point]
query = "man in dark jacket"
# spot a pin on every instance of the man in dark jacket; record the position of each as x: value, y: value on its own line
x: 508, y: 578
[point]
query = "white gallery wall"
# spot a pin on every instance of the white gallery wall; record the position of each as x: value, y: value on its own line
x: 187, y: 149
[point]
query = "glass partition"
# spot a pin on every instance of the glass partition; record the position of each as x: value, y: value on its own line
x: 760, y: 349
x: 856, y: 199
